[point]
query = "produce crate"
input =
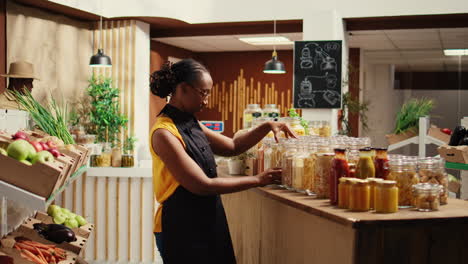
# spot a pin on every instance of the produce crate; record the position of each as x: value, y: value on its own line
x: 70, y: 163
x: 83, y: 231
x: 80, y: 154
x: 27, y: 231
x: 40, y: 178
x: 7, y: 247
x: 457, y: 154
x: 436, y: 133
x: 395, y: 138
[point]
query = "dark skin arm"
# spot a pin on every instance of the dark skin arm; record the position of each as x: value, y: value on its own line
x: 225, y: 146
x: 187, y: 172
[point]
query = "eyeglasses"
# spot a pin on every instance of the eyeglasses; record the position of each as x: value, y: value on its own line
x: 203, y: 93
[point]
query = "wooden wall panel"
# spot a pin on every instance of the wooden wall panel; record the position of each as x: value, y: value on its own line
x: 3, y: 40
x: 242, y: 72
x: 354, y: 72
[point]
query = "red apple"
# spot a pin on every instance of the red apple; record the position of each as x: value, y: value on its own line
x: 37, y: 146
x: 54, y: 152
x: 20, y: 135
x: 44, y: 146
x: 52, y: 144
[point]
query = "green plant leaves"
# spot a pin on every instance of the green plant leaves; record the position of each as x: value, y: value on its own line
x: 410, y: 112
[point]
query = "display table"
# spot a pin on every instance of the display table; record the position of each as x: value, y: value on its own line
x: 271, y: 225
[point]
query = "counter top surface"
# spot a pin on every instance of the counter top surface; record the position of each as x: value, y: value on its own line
x: 455, y: 210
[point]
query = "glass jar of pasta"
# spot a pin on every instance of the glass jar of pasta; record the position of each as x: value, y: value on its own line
x: 323, y: 167
x: 427, y: 196
x: 405, y: 175
x: 432, y: 170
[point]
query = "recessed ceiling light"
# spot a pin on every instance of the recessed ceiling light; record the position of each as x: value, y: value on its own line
x: 456, y: 52
x: 267, y: 41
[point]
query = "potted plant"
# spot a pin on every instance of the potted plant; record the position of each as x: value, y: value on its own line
x: 105, y: 115
x: 352, y: 106
x: 128, y: 159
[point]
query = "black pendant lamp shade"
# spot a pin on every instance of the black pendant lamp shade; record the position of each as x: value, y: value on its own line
x: 100, y: 60
x: 274, y: 66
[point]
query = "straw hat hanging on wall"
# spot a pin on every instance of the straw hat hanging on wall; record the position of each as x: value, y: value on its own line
x: 21, y: 69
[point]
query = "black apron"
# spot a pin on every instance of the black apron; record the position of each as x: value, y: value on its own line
x: 194, y: 227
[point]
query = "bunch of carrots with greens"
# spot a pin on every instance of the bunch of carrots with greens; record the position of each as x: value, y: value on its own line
x: 40, y: 253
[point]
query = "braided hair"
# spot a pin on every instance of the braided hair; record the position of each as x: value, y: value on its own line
x: 164, y: 81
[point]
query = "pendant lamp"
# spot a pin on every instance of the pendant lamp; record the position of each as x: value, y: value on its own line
x: 274, y: 66
x: 100, y: 59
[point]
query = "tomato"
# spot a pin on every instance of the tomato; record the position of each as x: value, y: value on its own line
x: 447, y: 131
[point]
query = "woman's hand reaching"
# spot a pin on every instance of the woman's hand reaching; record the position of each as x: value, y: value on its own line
x: 270, y: 176
x: 278, y: 127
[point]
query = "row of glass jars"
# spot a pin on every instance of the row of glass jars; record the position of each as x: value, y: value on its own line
x: 310, y: 167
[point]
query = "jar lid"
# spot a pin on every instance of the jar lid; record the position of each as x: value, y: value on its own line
x: 360, y: 182
x: 270, y: 106
x: 386, y: 183
x: 427, y: 187
x: 374, y: 180
x: 345, y: 179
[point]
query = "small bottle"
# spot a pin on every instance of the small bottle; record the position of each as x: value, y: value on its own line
x: 359, y: 199
x: 339, y: 169
x: 365, y: 167
x: 271, y: 111
x: 386, y: 197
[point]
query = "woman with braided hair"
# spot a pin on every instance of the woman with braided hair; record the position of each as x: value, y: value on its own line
x: 190, y: 223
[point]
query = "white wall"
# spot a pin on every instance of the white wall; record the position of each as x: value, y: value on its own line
x: 207, y: 11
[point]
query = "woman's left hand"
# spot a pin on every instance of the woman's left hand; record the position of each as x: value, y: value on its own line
x: 278, y: 127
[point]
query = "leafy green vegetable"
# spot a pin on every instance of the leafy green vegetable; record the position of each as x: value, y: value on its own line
x: 410, y: 112
x: 50, y: 119
x: 129, y: 144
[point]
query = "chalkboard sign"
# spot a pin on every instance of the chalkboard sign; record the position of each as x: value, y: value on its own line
x: 317, y: 74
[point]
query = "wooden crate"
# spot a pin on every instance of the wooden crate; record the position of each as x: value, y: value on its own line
x: 40, y: 178
x: 457, y: 154
x: 395, y: 138
x: 83, y: 231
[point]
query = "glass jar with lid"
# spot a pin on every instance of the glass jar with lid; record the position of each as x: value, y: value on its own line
x: 381, y: 163
x: 373, y: 184
x: 309, y: 169
x: 339, y: 169
x: 299, y: 168
x: 297, y: 127
x: 365, y: 167
x: 432, y: 170
x: 287, y: 165
x: 323, y: 167
x: 426, y: 196
x: 343, y: 192
x: 359, y: 198
x: 325, y: 129
x: 252, y: 112
x: 271, y: 111
x: 405, y: 175
x: 386, y: 197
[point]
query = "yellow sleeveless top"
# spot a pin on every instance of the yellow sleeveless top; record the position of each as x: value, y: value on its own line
x: 164, y: 184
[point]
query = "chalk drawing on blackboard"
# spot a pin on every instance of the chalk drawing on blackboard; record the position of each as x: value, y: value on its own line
x: 307, y: 93
x: 327, y: 63
x: 306, y: 59
x: 332, y: 46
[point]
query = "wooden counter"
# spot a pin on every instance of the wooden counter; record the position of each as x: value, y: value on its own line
x: 271, y: 225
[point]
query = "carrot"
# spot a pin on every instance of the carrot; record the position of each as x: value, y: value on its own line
x: 52, y: 260
x: 34, y: 257
x: 37, y: 244
x: 26, y: 257
x: 28, y: 247
x: 41, y: 255
x: 17, y: 247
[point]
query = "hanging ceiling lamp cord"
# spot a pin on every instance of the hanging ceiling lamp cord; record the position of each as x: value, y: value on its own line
x: 100, y: 33
x: 274, y: 34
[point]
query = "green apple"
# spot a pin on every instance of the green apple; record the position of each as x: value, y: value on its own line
x: 60, y: 218
x: 54, y: 210
x: 66, y: 212
x: 72, y: 215
x: 43, y: 157
x: 3, y: 152
x: 32, y: 152
x: 26, y: 162
x: 19, y: 149
x: 81, y: 220
x: 71, y: 223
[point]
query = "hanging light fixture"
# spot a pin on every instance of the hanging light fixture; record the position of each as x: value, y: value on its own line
x: 100, y: 59
x: 274, y: 66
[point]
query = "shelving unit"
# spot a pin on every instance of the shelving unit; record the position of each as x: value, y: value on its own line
x: 422, y: 139
x: 31, y: 202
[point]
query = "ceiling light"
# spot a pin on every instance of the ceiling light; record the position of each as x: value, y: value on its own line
x: 100, y: 59
x: 456, y: 52
x: 274, y: 66
x: 267, y: 40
